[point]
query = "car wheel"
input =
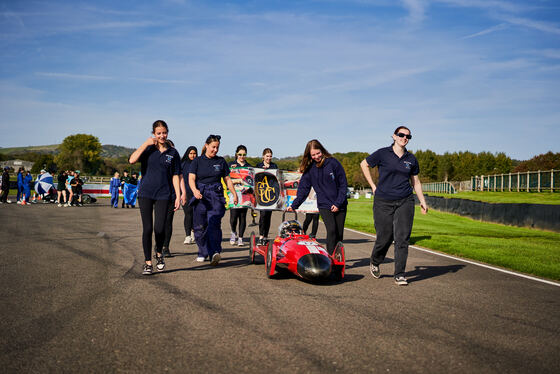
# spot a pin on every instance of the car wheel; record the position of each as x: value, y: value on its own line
x: 295, y: 184
x: 252, y: 247
x: 86, y: 199
x: 270, y: 261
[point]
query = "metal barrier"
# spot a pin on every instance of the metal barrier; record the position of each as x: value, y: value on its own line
x: 530, y: 181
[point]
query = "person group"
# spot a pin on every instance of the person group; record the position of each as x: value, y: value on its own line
x: 195, y: 183
x: 128, y: 184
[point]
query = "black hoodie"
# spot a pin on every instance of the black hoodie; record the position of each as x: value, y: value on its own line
x: 186, y: 164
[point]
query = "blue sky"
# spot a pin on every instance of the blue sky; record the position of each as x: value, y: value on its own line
x: 479, y: 75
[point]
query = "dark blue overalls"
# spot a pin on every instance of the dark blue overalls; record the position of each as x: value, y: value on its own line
x: 207, y: 218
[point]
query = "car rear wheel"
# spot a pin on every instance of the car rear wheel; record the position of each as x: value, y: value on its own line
x: 252, y: 247
x: 270, y: 261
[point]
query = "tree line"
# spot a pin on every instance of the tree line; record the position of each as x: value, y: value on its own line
x: 84, y: 152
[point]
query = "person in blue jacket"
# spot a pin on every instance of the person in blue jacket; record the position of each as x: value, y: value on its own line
x: 114, y: 190
x: 161, y: 168
x: 393, y: 205
x: 26, y: 188
x: 327, y: 177
x: 20, y: 176
x: 205, y: 180
x: 265, y: 216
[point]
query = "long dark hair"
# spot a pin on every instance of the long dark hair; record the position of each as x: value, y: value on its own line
x: 186, y: 154
x: 306, y: 161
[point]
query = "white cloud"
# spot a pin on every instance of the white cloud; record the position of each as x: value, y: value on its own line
x: 489, y: 30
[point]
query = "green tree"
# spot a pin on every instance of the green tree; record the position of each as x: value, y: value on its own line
x: 80, y: 151
x: 44, y: 161
x: 545, y: 161
x: 428, y: 162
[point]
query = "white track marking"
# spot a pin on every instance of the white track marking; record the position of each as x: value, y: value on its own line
x: 469, y: 262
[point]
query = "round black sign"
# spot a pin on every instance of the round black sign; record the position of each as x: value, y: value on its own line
x: 267, y: 189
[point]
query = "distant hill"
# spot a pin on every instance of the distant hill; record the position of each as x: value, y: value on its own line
x: 109, y: 150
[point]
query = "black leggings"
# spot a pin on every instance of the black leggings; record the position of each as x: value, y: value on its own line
x: 334, y: 223
x: 241, y: 215
x: 169, y: 224
x: 155, y: 225
x: 264, y: 222
x: 308, y: 218
x: 188, y: 221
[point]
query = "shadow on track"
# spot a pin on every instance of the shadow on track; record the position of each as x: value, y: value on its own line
x: 426, y: 272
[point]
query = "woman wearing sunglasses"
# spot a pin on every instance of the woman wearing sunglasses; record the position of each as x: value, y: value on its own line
x: 238, y: 214
x: 393, y: 206
x: 205, y: 180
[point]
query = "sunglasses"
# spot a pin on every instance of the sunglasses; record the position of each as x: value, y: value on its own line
x: 401, y: 135
x: 212, y: 137
x: 242, y: 154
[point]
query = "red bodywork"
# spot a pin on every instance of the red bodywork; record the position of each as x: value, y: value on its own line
x: 301, y: 255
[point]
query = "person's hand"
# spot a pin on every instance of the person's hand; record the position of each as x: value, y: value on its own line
x: 197, y: 194
x: 424, y: 208
x: 177, y: 203
x: 334, y: 208
x: 235, y: 199
x: 150, y: 141
x: 183, y: 198
x: 289, y: 209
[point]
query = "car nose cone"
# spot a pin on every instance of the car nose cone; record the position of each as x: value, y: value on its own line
x: 314, y: 266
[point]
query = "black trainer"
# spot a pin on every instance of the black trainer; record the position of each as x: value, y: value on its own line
x: 148, y: 269
x: 160, y: 264
x: 374, y: 270
x: 166, y: 252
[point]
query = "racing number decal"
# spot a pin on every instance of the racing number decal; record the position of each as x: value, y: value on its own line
x: 313, y: 249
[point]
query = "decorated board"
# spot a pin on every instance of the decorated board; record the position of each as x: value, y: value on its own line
x: 267, y: 189
x: 243, y: 179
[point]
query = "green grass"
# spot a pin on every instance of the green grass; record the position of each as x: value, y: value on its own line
x: 505, y: 197
x: 525, y: 250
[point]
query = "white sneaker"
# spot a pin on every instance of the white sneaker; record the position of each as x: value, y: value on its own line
x: 187, y: 240
x: 239, y: 242
x: 233, y: 238
x: 215, y: 259
x: 59, y: 205
x: 9, y: 201
x: 200, y: 259
x: 19, y: 202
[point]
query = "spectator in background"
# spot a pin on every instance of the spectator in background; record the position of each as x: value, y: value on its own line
x: 69, y: 188
x: 77, y: 184
x: 5, y: 186
x: 131, y: 190
x: 61, y: 188
x: 114, y: 189
x: 26, y: 188
x: 20, y: 175
x: 124, y: 180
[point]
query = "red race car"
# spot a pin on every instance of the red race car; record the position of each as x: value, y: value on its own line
x: 300, y: 254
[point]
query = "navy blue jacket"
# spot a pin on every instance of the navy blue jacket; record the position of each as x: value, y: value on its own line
x: 329, y: 183
x: 394, y: 173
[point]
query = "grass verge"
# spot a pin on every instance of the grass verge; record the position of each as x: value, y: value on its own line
x: 525, y: 250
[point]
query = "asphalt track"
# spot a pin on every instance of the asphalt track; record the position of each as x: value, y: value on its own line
x: 74, y: 300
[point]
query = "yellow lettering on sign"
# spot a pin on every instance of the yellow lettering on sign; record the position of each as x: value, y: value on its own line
x: 266, y: 193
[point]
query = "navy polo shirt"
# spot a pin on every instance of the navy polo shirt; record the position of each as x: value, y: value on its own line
x: 158, y: 169
x: 329, y: 183
x: 209, y: 170
x: 272, y: 165
x: 394, y: 173
x: 235, y: 164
